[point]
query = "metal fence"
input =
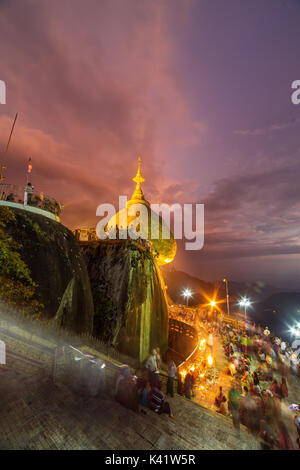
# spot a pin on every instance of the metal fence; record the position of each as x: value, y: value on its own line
x: 30, y: 197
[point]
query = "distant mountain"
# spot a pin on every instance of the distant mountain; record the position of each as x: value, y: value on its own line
x: 176, y: 281
x: 280, y: 311
x: 272, y: 306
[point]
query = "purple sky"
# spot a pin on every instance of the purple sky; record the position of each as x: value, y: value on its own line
x: 201, y: 89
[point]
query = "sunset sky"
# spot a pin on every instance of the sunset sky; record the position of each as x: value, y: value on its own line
x: 201, y: 89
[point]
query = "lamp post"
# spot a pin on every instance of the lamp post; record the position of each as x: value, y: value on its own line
x: 187, y: 294
x: 245, y: 303
x: 295, y: 330
x: 227, y: 295
x: 213, y: 303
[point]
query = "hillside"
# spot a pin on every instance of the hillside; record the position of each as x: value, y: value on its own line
x: 279, y: 311
x: 178, y: 280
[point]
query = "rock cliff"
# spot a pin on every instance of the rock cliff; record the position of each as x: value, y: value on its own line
x: 56, y: 264
x: 129, y: 300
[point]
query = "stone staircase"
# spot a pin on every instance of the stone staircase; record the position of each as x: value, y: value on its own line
x: 41, y: 415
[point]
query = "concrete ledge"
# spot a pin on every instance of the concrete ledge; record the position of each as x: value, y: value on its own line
x: 35, y: 210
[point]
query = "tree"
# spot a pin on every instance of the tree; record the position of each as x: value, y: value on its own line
x: 16, y: 285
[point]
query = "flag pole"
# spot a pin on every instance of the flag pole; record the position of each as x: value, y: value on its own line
x: 29, y: 169
x: 2, y: 167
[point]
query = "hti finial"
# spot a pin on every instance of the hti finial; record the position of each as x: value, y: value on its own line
x: 138, y: 196
x: 138, y: 179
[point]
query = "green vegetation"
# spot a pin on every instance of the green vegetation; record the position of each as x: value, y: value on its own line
x: 16, y: 285
x: 35, y: 227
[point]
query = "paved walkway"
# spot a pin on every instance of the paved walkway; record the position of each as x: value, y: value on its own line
x: 38, y: 415
x: 206, y: 390
x: 35, y: 413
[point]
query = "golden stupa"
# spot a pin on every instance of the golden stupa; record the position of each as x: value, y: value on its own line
x: 163, y: 249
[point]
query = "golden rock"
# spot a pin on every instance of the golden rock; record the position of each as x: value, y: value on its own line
x: 147, y: 223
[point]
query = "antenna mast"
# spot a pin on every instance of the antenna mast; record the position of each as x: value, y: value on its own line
x: 2, y: 167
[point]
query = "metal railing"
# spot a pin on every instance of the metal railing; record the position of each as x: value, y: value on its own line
x: 30, y: 197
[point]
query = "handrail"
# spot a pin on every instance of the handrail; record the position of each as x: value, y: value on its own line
x: 189, y: 357
x: 30, y: 197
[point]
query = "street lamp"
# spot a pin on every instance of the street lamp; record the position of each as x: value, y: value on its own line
x: 295, y: 331
x: 187, y: 293
x: 227, y: 295
x: 212, y: 303
x: 244, y: 302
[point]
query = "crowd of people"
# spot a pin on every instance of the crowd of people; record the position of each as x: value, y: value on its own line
x: 257, y: 399
x: 258, y: 367
x: 145, y: 392
x: 183, y: 315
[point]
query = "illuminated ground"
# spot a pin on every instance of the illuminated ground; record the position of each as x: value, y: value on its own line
x: 206, y: 396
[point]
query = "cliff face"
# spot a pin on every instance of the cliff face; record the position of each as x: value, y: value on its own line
x: 57, y: 265
x: 129, y: 301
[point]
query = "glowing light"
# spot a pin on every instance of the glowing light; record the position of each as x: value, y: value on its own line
x: 244, y: 302
x: 183, y: 373
x: 212, y: 303
x: 210, y: 360
x: 187, y: 293
x: 192, y: 368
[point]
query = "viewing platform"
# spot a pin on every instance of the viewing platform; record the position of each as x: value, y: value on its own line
x: 30, y: 200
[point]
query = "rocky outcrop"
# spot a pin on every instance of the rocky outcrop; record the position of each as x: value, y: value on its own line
x: 129, y: 300
x: 57, y: 265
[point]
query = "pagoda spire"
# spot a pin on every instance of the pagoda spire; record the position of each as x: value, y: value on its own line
x: 138, y: 196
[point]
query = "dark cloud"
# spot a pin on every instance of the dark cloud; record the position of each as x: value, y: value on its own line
x: 97, y: 83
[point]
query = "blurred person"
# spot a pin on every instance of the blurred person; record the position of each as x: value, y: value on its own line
x: 233, y: 405
x: 223, y: 410
x: 267, y: 435
x: 171, y: 376
x: 158, y: 403
x: 255, y: 378
x: 179, y: 384
x: 126, y: 392
x: 123, y: 375
x: 144, y: 394
x: 297, y: 424
x: 151, y: 365
x: 275, y: 389
x: 283, y: 388
x: 283, y: 347
x: 244, y: 343
x: 188, y: 384
x: 210, y: 341
x: 158, y: 358
x: 284, y: 440
x: 245, y: 380
x: 219, y: 398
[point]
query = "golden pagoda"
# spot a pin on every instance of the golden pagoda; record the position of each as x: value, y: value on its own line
x: 163, y: 249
